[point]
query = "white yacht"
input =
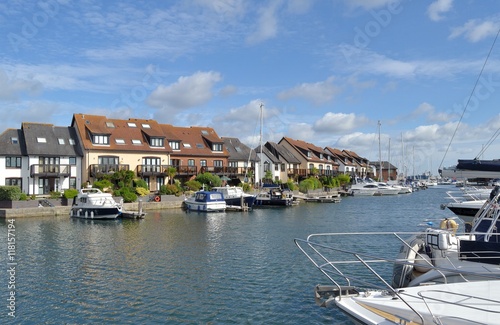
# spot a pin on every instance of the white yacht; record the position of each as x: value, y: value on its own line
x: 92, y: 203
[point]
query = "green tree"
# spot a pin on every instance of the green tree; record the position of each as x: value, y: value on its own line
x: 171, y: 172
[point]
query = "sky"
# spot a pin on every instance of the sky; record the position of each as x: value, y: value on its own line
x: 416, y: 83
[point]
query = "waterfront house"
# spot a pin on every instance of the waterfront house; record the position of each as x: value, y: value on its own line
x: 242, y: 161
x: 111, y: 145
x: 40, y: 158
x: 195, y: 150
x: 345, y: 162
x: 389, y: 171
x: 361, y: 164
x: 314, y: 160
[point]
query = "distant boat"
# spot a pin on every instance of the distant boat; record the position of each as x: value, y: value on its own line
x: 473, y: 168
x: 92, y: 203
x: 235, y: 196
x: 274, y: 196
x: 206, y: 201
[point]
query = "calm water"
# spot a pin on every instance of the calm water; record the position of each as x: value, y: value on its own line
x: 186, y: 268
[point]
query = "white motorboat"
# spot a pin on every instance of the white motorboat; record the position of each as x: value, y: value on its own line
x: 440, y: 276
x: 386, y: 189
x: 206, y: 201
x: 365, y: 189
x: 92, y: 203
x: 235, y: 196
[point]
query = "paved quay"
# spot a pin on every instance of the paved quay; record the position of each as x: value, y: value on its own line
x: 169, y: 202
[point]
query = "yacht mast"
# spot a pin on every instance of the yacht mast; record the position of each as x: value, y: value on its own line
x: 260, y: 160
x: 379, y: 155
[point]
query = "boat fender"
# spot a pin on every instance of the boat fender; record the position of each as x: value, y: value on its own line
x: 449, y: 224
x: 157, y: 198
x: 422, y: 263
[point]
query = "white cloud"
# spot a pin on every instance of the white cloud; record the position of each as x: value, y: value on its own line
x: 368, y: 4
x: 318, y: 93
x: 475, y: 30
x: 13, y: 87
x: 187, y: 92
x: 267, y: 24
x: 439, y: 7
x: 339, y: 123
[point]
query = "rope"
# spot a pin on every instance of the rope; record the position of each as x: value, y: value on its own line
x: 470, y: 97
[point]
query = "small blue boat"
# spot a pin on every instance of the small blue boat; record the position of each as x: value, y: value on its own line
x: 206, y: 201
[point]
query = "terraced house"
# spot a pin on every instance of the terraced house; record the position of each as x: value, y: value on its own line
x: 43, y: 158
x: 40, y: 158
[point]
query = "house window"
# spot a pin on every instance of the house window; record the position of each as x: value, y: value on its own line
x: 146, y: 126
x: 131, y: 124
x: 120, y: 141
x: 41, y: 140
x: 100, y: 139
x: 267, y: 167
x: 156, y: 142
x: 277, y: 167
x: 190, y: 162
x: 13, y: 162
x: 151, y: 164
x: 203, y: 163
x: 72, y: 182
x: 174, y: 145
x: 186, y: 145
x: 136, y: 142
x: 72, y: 161
x: 218, y: 163
x: 72, y: 142
x: 14, y: 182
x: 200, y: 145
x: 110, y: 124
x: 217, y: 147
x: 283, y: 167
x: 105, y: 160
x: 61, y: 141
x: 233, y: 164
x: 14, y: 140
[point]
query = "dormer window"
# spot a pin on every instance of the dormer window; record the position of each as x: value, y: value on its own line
x: 217, y: 147
x: 321, y: 156
x: 156, y: 142
x: 14, y: 140
x: 175, y: 145
x: 100, y: 139
x: 309, y: 154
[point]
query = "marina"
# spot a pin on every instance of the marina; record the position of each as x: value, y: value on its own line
x: 179, y: 267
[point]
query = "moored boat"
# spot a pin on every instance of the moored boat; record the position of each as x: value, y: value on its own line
x: 206, y: 201
x: 274, y: 196
x: 92, y: 203
x: 440, y: 276
x: 235, y: 196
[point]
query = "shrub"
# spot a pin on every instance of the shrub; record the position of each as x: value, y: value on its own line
x: 23, y: 197
x: 141, y: 183
x: 193, y: 185
x: 55, y: 195
x: 70, y: 193
x: 169, y: 189
x: 10, y: 193
x: 102, y: 184
x: 141, y: 191
x: 127, y: 194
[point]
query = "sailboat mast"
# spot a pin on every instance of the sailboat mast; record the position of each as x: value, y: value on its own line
x: 379, y: 155
x: 260, y: 143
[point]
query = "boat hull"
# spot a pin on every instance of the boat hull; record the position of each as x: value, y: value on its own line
x: 203, y: 207
x: 95, y: 213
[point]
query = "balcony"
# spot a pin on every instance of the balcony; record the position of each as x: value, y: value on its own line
x: 100, y: 170
x: 47, y: 171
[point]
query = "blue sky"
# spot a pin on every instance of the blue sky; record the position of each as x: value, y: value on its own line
x: 326, y: 71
